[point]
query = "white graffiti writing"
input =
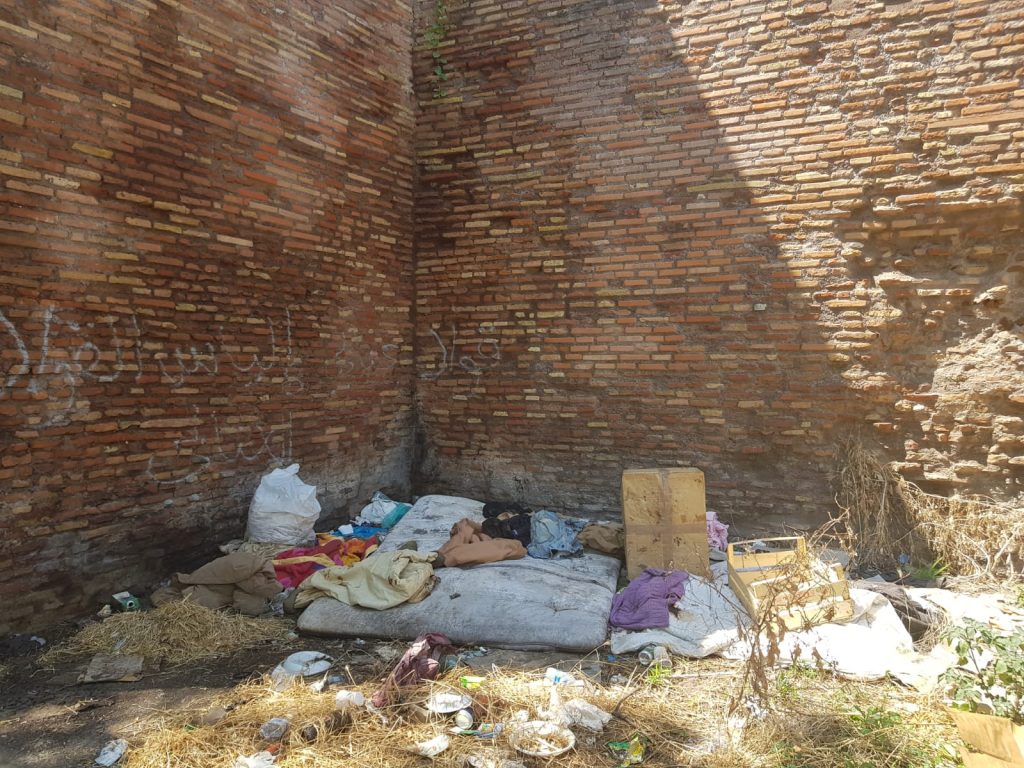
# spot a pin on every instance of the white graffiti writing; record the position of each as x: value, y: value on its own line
x: 473, y: 352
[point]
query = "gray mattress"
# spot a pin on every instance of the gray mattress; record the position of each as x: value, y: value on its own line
x: 525, y: 604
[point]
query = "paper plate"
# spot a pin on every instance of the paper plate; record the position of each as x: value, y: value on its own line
x: 539, y: 738
x: 446, y: 702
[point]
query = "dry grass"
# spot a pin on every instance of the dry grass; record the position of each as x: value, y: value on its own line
x: 177, y: 632
x: 815, y: 723
x: 976, y: 540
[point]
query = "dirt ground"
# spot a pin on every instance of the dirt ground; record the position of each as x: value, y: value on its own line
x: 39, y: 727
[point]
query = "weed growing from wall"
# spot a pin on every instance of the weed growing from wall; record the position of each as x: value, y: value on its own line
x: 434, y: 38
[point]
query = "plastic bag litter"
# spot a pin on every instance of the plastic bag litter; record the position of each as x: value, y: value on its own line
x: 582, y: 713
x: 382, y: 511
x: 483, y: 761
x: 283, y: 510
x: 111, y: 753
x: 433, y: 747
x: 258, y: 760
x: 274, y: 729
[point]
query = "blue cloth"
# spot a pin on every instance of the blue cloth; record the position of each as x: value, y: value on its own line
x: 361, y: 532
x: 551, y: 535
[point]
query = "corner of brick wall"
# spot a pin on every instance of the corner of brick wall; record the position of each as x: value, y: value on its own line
x: 727, y: 235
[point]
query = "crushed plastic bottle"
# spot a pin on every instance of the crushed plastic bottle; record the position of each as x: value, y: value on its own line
x: 111, y: 752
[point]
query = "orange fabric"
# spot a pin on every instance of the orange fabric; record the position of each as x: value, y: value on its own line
x: 469, y: 545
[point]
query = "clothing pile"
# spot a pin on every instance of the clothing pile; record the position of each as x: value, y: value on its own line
x: 243, y: 581
x: 383, y: 581
x: 543, y: 533
x: 469, y: 545
x: 293, y: 566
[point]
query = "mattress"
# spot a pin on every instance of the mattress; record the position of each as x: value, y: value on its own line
x: 528, y: 604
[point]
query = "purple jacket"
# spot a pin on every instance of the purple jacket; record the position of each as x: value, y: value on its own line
x: 645, y: 603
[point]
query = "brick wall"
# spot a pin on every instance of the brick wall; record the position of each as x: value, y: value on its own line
x: 722, y: 234
x: 205, y: 271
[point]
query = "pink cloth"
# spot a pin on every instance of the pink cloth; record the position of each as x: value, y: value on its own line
x: 718, y: 532
x: 421, y: 662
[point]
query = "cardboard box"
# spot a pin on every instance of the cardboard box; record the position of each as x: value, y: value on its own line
x: 998, y: 741
x: 665, y: 520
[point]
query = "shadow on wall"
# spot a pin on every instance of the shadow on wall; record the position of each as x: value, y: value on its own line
x: 649, y: 235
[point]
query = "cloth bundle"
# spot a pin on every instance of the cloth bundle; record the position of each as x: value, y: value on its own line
x: 242, y: 580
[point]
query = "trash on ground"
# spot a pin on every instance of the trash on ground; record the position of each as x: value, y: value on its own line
x: 991, y: 741
x: 630, y: 752
x: 557, y: 677
x: 87, y: 704
x: 447, y: 702
x: 655, y: 655
x: 283, y: 510
x: 471, y: 681
x: 258, y: 760
x: 335, y: 723
x: 126, y: 601
x: 577, y: 712
x: 212, y: 716
x: 348, y: 699
x: 486, y: 761
x: 433, y: 747
x: 111, y: 752
x: 298, y: 665
x: 420, y: 662
x: 274, y: 729
x: 483, y: 731
x: 540, y: 738
x: 243, y: 581
x: 105, y: 668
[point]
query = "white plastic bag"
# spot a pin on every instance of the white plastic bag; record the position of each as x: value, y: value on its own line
x: 283, y: 510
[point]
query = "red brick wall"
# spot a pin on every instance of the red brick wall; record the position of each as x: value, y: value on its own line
x: 205, y: 271
x: 721, y: 234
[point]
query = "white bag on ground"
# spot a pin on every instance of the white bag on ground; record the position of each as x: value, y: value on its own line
x: 283, y: 510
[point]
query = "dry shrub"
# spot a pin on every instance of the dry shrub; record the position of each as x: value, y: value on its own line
x: 972, y: 537
x: 793, y: 583
x: 978, y: 540
x: 178, y: 632
x: 880, y: 521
